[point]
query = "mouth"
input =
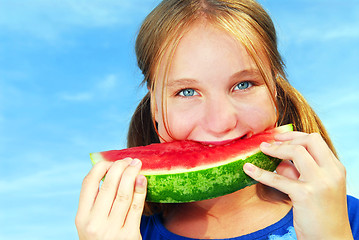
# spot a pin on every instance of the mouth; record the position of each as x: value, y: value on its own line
x: 225, y: 142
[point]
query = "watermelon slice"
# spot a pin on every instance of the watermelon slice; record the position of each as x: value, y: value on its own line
x: 187, y: 171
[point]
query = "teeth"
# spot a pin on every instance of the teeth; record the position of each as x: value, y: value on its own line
x: 248, y: 135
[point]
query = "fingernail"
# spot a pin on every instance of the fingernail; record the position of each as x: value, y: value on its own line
x: 249, y: 167
x: 141, y: 180
x: 135, y: 162
x: 128, y: 160
x: 265, y: 144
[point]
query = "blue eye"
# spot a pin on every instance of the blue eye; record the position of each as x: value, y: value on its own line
x: 189, y: 92
x: 243, y: 85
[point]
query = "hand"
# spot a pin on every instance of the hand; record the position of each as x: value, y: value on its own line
x: 114, y: 210
x: 314, y: 180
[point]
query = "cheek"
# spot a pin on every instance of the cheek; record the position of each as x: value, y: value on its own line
x: 260, y: 115
x: 180, y: 122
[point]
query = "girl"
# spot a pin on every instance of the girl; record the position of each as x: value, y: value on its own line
x: 214, y: 74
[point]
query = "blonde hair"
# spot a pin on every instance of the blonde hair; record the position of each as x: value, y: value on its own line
x: 248, y: 23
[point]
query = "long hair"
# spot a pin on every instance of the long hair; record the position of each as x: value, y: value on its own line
x: 249, y: 24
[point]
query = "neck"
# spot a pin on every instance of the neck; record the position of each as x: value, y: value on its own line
x: 228, y: 203
x: 243, y: 207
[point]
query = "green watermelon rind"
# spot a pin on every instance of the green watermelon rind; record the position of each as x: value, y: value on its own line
x: 205, y: 184
x: 201, y: 184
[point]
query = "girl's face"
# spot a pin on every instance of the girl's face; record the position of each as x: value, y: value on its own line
x: 214, y: 91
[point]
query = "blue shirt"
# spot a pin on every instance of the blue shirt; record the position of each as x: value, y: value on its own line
x: 153, y: 229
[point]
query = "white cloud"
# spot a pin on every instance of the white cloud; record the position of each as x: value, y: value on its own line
x: 318, y: 22
x: 77, y: 97
x: 49, y: 179
x: 343, y: 32
x: 338, y: 110
x: 108, y: 83
x: 41, y: 201
x: 339, y: 99
x: 101, y: 89
x: 49, y: 19
x: 317, y: 33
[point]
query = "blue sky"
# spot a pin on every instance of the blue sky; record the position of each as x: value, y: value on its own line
x: 69, y: 84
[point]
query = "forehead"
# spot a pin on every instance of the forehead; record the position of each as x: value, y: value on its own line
x: 206, y: 51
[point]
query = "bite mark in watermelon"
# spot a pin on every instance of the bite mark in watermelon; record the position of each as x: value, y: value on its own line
x: 188, y: 171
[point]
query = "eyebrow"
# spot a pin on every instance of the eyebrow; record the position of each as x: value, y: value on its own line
x: 180, y: 82
x: 190, y: 81
x: 246, y: 72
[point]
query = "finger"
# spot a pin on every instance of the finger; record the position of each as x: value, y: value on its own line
x: 288, y: 136
x: 90, y: 187
x: 107, y: 192
x: 134, y: 215
x: 125, y: 192
x: 271, y: 179
x: 302, y: 160
x: 315, y: 145
x: 287, y: 169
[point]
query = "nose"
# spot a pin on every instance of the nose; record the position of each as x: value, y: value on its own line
x: 220, y: 116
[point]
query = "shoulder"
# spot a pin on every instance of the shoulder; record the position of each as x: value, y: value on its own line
x: 353, y: 212
x: 148, y: 227
x: 353, y: 207
x: 152, y: 229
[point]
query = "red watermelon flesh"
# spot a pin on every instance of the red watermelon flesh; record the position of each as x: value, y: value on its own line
x: 173, y: 162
